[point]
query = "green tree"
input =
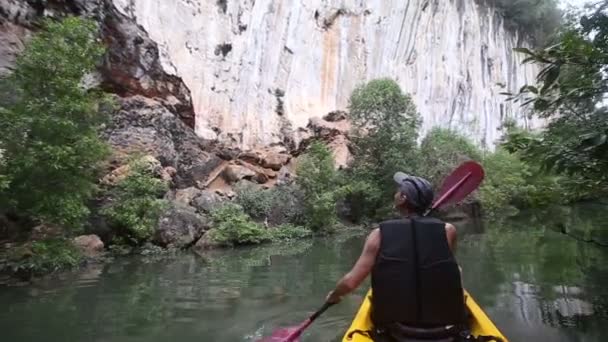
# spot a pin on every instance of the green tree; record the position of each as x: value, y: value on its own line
x: 318, y: 180
x: 385, y: 129
x: 441, y: 151
x: 48, y: 130
x: 569, y: 93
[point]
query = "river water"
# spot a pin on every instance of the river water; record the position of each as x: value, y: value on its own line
x: 535, y: 283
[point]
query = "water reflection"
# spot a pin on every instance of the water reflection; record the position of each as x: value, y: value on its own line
x: 537, y: 284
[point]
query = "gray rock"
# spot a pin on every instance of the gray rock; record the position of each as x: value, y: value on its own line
x: 180, y: 227
x: 12, y: 38
x: 336, y: 115
x: 89, y: 245
x: 207, y: 201
x: 185, y: 196
x: 234, y: 173
x: 206, y: 243
x: 286, y: 176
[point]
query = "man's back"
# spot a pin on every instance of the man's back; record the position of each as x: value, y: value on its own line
x: 415, y: 278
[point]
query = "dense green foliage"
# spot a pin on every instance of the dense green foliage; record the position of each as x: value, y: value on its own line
x: 505, y: 180
x: 41, y: 257
x: 48, y: 126
x: 572, y: 85
x: 319, y: 182
x: 441, y: 151
x: 538, y: 18
x: 234, y: 227
x: 509, y: 181
x: 383, y: 118
x: 385, y: 128
x: 136, y: 202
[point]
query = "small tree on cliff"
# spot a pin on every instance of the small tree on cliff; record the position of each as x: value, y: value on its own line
x: 48, y: 130
x: 385, y: 130
x: 317, y: 178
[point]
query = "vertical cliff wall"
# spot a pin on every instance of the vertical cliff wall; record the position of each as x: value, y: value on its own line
x: 258, y: 68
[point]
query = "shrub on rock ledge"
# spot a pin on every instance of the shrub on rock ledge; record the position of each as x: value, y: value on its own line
x: 136, y: 202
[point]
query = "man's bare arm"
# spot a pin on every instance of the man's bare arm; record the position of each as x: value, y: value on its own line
x: 360, y: 271
x: 452, y: 236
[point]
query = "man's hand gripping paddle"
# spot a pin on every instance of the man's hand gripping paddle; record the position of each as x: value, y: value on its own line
x: 458, y: 185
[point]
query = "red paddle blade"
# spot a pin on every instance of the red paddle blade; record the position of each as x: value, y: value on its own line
x: 282, y: 335
x: 288, y: 334
x: 459, y: 184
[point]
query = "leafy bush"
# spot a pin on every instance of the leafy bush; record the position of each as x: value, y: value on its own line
x: 42, y: 257
x: 505, y: 180
x: 254, y: 200
x: 48, y: 128
x: 441, y: 151
x: 364, y: 200
x: 318, y: 179
x: 137, y: 202
x: 233, y: 227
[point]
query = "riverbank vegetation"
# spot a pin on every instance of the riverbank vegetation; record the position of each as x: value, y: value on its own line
x: 50, y: 149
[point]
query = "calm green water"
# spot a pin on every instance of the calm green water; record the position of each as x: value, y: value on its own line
x: 537, y: 285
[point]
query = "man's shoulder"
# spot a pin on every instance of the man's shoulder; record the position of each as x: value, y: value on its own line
x: 374, y: 238
x: 450, y: 227
x: 394, y: 221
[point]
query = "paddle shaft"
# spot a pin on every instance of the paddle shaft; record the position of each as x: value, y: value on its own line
x: 307, y: 323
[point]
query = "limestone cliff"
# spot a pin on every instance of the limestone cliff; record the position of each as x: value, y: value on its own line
x: 258, y: 68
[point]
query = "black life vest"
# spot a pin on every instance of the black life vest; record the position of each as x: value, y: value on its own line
x: 416, y: 280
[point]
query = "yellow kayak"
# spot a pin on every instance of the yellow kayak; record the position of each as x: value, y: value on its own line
x: 480, y: 323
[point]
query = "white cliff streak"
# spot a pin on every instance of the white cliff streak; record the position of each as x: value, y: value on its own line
x: 251, y: 64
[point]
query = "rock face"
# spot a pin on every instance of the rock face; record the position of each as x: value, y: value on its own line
x: 258, y: 68
x: 145, y: 126
x: 132, y: 66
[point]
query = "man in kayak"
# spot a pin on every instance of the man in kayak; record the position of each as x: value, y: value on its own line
x: 416, y: 285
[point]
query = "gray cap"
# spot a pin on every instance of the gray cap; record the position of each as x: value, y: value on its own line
x: 417, y: 190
